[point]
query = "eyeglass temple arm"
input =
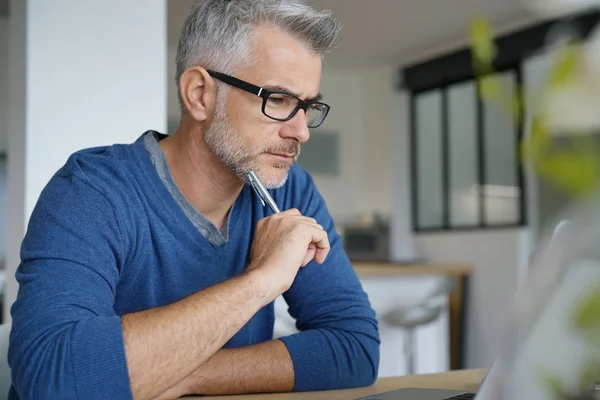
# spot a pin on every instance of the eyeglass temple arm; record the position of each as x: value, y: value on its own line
x: 248, y: 87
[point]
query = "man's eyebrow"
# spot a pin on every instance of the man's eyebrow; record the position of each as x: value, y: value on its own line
x: 318, y: 97
x: 278, y: 88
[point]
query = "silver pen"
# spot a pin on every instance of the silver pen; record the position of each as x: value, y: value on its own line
x: 262, y: 192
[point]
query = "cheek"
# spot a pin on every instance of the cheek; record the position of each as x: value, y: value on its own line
x: 254, y: 129
x: 243, y: 108
x: 243, y: 116
x: 259, y: 137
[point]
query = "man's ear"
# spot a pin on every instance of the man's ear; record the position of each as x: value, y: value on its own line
x: 198, y: 93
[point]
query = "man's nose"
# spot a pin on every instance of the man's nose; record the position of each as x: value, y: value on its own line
x: 296, y: 128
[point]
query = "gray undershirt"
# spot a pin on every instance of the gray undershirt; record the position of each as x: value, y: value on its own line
x: 204, y: 226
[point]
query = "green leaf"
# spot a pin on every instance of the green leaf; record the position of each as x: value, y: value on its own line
x: 489, y: 88
x: 576, y: 172
x: 482, y: 44
x: 553, y: 385
x: 586, y: 317
x: 589, y: 373
x: 539, y: 140
x: 565, y: 68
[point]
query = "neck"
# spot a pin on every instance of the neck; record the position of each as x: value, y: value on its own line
x: 202, y: 178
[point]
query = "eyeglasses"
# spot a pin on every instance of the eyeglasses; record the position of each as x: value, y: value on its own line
x: 279, y: 105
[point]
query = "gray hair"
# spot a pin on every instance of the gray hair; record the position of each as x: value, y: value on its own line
x: 216, y: 33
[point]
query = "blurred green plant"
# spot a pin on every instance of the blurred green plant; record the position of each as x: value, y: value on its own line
x: 583, y: 389
x: 575, y: 170
x: 586, y: 322
x: 586, y: 317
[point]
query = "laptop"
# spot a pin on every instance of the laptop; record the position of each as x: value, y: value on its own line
x: 442, y: 394
x: 428, y: 393
x: 422, y: 394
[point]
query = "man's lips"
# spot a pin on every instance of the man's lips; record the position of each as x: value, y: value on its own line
x: 283, y: 155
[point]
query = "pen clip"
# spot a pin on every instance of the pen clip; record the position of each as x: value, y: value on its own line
x: 262, y: 193
x: 254, y: 185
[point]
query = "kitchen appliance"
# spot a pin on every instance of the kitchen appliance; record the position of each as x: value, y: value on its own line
x: 368, y: 242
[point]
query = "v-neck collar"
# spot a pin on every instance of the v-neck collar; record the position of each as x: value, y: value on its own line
x: 164, y: 181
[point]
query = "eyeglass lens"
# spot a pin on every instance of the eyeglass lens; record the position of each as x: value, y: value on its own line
x: 316, y: 114
x: 280, y: 106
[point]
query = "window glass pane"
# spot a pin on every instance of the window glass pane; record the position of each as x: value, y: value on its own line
x: 428, y: 124
x: 501, y: 185
x: 462, y: 153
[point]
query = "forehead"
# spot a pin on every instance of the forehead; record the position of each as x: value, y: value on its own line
x: 280, y: 60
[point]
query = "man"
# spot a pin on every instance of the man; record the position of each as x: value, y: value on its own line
x: 149, y: 270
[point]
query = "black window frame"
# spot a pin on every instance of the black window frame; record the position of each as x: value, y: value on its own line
x: 480, y: 156
x: 456, y: 67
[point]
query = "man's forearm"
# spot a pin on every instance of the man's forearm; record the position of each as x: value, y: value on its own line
x: 165, y: 345
x: 262, y: 368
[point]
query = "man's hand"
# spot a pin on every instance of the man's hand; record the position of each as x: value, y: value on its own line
x: 284, y: 243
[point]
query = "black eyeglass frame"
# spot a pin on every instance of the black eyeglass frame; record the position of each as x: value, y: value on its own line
x: 265, y: 93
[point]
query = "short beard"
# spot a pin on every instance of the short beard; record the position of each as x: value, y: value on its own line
x: 229, y: 147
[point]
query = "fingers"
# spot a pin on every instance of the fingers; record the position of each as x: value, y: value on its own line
x: 319, y: 246
x: 294, y: 214
x: 307, y: 221
x: 310, y: 254
x: 318, y: 242
x: 291, y: 211
x: 288, y: 216
x: 320, y: 239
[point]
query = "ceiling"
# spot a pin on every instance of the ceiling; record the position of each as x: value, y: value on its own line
x: 400, y: 31
x: 379, y: 31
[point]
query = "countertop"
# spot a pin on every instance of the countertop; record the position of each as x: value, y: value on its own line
x: 382, y: 268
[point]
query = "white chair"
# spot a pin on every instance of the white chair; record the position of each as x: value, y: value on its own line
x: 423, y: 313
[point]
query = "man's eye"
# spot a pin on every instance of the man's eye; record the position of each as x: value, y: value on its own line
x: 276, y: 100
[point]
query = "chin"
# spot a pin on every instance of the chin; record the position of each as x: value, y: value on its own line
x: 274, y: 177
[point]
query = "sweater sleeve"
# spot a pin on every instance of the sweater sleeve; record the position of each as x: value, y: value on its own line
x: 66, y: 340
x: 338, y: 343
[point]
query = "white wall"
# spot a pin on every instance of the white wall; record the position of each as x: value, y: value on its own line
x: 377, y: 92
x: 402, y: 237
x: 3, y: 128
x: 362, y: 103
x: 15, y: 203
x: 343, y: 193
x: 88, y: 108
x: 3, y: 82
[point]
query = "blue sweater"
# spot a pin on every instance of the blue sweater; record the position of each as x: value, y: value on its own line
x: 107, y: 238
